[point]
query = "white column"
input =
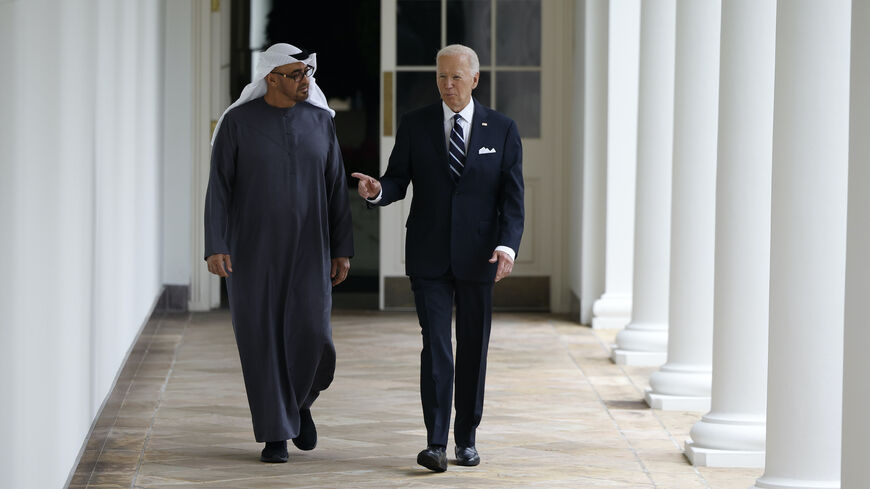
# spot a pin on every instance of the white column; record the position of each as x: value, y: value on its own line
x: 645, y: 340
x: 683, y: 383
x: 732, y: 433
x: 808, y: 245
x: 257, y: 36
x: 594, y: 158
x: 856, y: 364
x: 613, y: 309
x: 204, y: 286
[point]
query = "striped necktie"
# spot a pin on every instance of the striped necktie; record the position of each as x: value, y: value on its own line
x: 456, y: 158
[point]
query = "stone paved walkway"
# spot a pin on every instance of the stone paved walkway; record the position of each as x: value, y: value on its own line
x: 558, y: 414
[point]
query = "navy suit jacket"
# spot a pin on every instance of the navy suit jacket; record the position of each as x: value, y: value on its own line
x: 456, y: 226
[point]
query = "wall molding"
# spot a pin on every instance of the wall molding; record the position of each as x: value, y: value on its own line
x: 174, y: 298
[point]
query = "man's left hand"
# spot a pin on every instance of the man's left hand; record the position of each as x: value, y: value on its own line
x: 505, y: 264
x: 340, y: 267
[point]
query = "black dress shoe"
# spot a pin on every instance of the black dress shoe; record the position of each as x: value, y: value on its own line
x: 467, y: 456
x: 433, y: 458
x: 275, y: 452
x: 307, y: 438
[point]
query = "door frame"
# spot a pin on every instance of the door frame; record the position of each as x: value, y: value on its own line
x: 544, y: 251
x: 211, y: 54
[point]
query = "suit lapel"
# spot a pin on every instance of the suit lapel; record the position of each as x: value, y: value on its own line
x: 478, y: 134
x: 436, y: 123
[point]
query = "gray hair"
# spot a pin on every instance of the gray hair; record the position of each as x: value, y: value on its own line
x: 460, y: 50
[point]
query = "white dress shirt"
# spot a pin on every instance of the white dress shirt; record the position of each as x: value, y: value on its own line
x: 466, y: 116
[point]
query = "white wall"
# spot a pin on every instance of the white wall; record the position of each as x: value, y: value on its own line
x: 81, y: 89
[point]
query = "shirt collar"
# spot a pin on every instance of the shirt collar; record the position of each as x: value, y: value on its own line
x: 467, y: 113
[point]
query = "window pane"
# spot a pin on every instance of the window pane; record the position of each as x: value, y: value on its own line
x: 518, y: 96
x: 468, y: 22
x: 414, y: 89
x: 483, y: 92
x: 418, y: 32
x: 518, y: 32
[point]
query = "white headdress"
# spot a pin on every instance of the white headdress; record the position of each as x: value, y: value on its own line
x: 278, y: 55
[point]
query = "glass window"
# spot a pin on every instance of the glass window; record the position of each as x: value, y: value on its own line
x: 418, y: 31
x: 414, y: 89
x: 518, y: 96
x: 518, y: 32
x: 483, y: 92
x: 468, y: 23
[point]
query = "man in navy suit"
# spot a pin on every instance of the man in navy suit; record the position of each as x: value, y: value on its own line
x: 464, y: 229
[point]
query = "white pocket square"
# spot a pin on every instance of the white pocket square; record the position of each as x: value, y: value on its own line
x: 485, y: 151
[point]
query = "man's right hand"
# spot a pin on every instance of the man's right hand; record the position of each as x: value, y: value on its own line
x: 220, y: 264
x: 368, y: 187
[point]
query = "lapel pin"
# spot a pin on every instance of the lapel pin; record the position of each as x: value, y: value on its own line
x: 483, y: 123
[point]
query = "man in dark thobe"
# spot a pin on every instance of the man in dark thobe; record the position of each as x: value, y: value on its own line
x: 278, y: 227
x: 464, y: 229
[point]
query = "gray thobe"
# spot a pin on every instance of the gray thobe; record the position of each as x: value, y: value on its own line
x: 277, y: 203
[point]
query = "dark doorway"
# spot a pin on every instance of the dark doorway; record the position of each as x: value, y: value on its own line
x: 240, y: 70
x: 346, y: 37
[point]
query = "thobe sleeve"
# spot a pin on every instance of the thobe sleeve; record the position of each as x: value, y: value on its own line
x: 510, y: 192
x: 220, y: 188
x: 394, y: 183
x: 340, y: 224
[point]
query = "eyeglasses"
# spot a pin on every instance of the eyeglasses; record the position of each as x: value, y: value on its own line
x: 297, y: 74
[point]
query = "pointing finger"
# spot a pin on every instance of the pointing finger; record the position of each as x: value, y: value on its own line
x: 361, y: 176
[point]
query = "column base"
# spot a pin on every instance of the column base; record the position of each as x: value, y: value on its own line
x: 727, y: 440
x: 610, y: 322
x: 634, y: 358
x: 784, y: 483
x: 678, y: 385
x: 611, y: 311
x: 667, y: 402
x: 709, y: 457
x: 644, y: 336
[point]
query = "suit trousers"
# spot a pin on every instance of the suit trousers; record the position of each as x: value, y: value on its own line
x: 434, y: 299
